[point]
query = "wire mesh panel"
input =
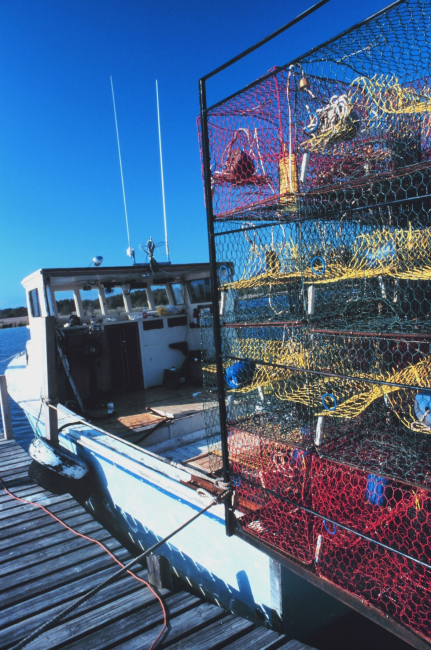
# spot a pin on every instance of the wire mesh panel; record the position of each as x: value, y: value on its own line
x: 354, y: 112
x: 272, y: 482
x: 252, y: 141
x: 320, y: 176
x: 385, y: 556
x: 265, y: 283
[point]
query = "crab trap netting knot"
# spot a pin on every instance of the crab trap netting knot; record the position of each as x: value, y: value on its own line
x: 321, y: 212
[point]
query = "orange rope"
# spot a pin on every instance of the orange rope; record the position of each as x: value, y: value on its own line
x: 90, y: 539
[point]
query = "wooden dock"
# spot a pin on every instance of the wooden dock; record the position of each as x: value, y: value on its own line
x: 44, y: 567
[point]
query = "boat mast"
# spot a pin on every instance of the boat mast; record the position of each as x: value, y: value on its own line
x: 161, y: 172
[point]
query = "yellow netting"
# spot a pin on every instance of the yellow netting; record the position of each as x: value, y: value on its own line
x: 267, y: 264
x: 367, y: 105
x: 352, y: 396
x: 384, y: 93
x: 402, y: 254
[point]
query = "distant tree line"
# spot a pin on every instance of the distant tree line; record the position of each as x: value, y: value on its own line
x: 13, y: 313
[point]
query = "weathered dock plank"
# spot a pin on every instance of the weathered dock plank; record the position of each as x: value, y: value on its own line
x: 23, y: 627
x: 44, y: 568
x: 177, y: 624
x: 42, y: 530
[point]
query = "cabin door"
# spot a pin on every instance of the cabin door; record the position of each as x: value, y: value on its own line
x: 125, y: 357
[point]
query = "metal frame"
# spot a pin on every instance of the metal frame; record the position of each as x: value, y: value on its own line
x: 232, y: 526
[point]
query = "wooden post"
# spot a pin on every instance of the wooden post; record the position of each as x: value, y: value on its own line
x: 5, y: 409
x: 159, y: 571
x: 49, y: 391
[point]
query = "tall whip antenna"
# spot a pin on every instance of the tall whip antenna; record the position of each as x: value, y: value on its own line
x: 161, y: 171
x: 130, y: 251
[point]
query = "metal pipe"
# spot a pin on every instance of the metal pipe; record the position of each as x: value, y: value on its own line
x: 245, y: 228
x: 322, y: 373
x: 377, y: 335
x: 236, y: 58
x: 292, y: 323
x: 214, y: 296
x: 314, y: 330
x: 330, y: 216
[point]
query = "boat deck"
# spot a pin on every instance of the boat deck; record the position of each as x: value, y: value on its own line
x: 44, y: 567
x: 169, y: 422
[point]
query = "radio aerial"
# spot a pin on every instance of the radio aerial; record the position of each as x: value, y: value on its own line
x: 149, y: 249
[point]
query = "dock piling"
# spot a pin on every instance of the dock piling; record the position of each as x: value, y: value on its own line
x: 50, y: 378
x: 5, y: 409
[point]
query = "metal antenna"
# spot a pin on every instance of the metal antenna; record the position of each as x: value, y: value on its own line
x: 130, y: 250
x: 161, y: 171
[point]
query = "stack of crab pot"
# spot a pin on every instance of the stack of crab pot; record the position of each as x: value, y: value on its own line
x: 320, y: 217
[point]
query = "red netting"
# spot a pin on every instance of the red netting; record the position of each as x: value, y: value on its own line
x: 297, y: 135
x: 264, y: 470
x: 386, y: 511
x: 389, y: 522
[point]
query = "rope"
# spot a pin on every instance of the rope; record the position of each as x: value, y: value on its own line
x: 59, y: 616
x: 12, y: 356
x: 124, y: 568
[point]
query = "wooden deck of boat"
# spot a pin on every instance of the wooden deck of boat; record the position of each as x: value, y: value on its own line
x: 44, y: 567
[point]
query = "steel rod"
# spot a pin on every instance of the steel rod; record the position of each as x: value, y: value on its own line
x: 265, y: 40
x: 322, y: 373
x: 214, y: 297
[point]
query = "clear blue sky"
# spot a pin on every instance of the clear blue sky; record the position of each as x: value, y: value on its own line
x: 60, y: 189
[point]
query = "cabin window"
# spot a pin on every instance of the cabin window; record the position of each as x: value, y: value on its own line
x: 138, y: 299
x: 160, y: 295
x: 114, y: 300
x: 90, y: 302
x: 65, y: 303
x: 33, y: 298
x: 200, y: 290
x: 177, y: 291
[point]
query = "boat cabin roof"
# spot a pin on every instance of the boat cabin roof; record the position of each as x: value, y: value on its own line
x: 114, y: 274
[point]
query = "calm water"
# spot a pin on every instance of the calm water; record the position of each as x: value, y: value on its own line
x: 12, y: 341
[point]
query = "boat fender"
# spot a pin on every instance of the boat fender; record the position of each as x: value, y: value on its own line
x: 240, y: 374
x: 376, y: 492
x: 59, y: 460
x: 60, y: 471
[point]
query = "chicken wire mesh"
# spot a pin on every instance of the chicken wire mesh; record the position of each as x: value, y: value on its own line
x: 320, y: 213
x: 348, y: 124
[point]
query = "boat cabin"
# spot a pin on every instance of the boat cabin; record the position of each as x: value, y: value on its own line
x: 127, y: 348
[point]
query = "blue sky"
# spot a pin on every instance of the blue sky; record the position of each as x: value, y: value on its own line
x: 60, y: 188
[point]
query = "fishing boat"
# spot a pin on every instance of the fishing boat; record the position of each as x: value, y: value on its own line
x: 310, y: 328
x: 115, y: 358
